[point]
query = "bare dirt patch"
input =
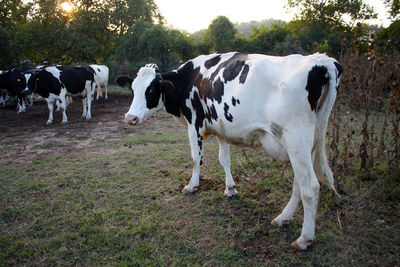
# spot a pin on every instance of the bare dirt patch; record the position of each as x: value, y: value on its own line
x: 26, y: 135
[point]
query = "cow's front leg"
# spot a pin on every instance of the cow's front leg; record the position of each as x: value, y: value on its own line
x: 63, y: 107
x: 21, y: 105
x: 196, y: 147
x: 225, y: 160
x: 287, y: 214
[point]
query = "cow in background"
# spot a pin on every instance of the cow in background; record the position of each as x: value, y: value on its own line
x: 280, y: 103
x: 101, y: 73
x: 123, y: 81
x: 56, y: 82
x: 14, y: 82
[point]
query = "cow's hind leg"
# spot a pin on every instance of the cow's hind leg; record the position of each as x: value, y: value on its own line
x: 308, y: 185
x: 50, y: 105
x: 84, y: 112
x: 225, y: 160
x: 196, y: 147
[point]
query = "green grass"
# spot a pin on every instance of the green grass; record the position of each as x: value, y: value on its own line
x: 124, y: 207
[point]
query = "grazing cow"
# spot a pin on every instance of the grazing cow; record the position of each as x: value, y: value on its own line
x: 123, y: 80
x: 101, y: 78
x: 14, y: 82
x: 57, y: 82
x: 280, y: 103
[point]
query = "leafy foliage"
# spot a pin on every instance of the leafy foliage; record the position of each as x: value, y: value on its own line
x: 220, y: 34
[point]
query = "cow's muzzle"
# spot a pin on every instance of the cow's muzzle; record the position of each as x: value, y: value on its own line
x: 26, y: 91
x: 131, y: 119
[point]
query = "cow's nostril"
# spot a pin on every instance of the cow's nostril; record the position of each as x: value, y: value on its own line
x: 131, y: 119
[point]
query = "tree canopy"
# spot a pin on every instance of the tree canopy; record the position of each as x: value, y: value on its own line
x: 133, y: 32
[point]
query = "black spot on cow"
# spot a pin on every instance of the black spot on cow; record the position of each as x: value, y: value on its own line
x: 200, y: 114
x: 211, y: 113
x: 339, y: 68
x: 200, y: 143
x: 235, y: 101
x: 213, y: 87
x: 228, y: 116
x: 317, y: 78
x: 212, y: 62
x: 218, y: 90
x: 233, y: 66
x: 243, y: 76
x: 153, y: 93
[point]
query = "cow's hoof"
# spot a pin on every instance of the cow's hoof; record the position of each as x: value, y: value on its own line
x: 188, y: 190
x: 299, y: 247
x: 64, y: 122
x: 49, y: 122
x: 230, y: 191
x: 275, y: 223
x: 88, y: 118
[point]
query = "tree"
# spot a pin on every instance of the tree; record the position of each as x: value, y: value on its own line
x: 6, y: 51
x: 394, y: 8
x: 13, y: 12
x: 265, y: 38
x: 221, y: 34
x: 342, y: 14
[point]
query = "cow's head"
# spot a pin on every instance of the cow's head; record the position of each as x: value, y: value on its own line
x: 32, y: 78
x: 18, y: 80
x: 149, y: 90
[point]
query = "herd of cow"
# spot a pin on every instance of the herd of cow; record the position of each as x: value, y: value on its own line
x: 279, y: 103
x: 54, y: 84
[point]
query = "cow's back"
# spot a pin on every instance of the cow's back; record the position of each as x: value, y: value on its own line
x: 255, y: 92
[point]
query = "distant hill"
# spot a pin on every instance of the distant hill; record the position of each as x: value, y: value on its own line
x: 244, y: 28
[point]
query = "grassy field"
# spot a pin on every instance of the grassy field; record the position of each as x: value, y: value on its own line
x: 121, y: 204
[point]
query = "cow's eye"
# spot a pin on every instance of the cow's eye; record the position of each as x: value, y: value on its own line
x: 18, y: 80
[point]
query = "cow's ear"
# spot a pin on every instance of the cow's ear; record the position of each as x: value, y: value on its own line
x: 167, y: 86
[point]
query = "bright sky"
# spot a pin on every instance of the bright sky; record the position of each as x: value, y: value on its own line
x: 191, y: 16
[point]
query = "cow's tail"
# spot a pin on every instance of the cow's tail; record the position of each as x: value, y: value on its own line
x: 324, y: 108
x: 98, y: 86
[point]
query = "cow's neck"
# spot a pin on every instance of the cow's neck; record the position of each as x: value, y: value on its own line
x: 171, y: 98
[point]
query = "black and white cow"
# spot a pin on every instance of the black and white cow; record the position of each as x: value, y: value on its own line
x: 14, y: 82
x: 280, y: 103
x: 101, y: 78
x: 123, y: 81
x: 56, y: 82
